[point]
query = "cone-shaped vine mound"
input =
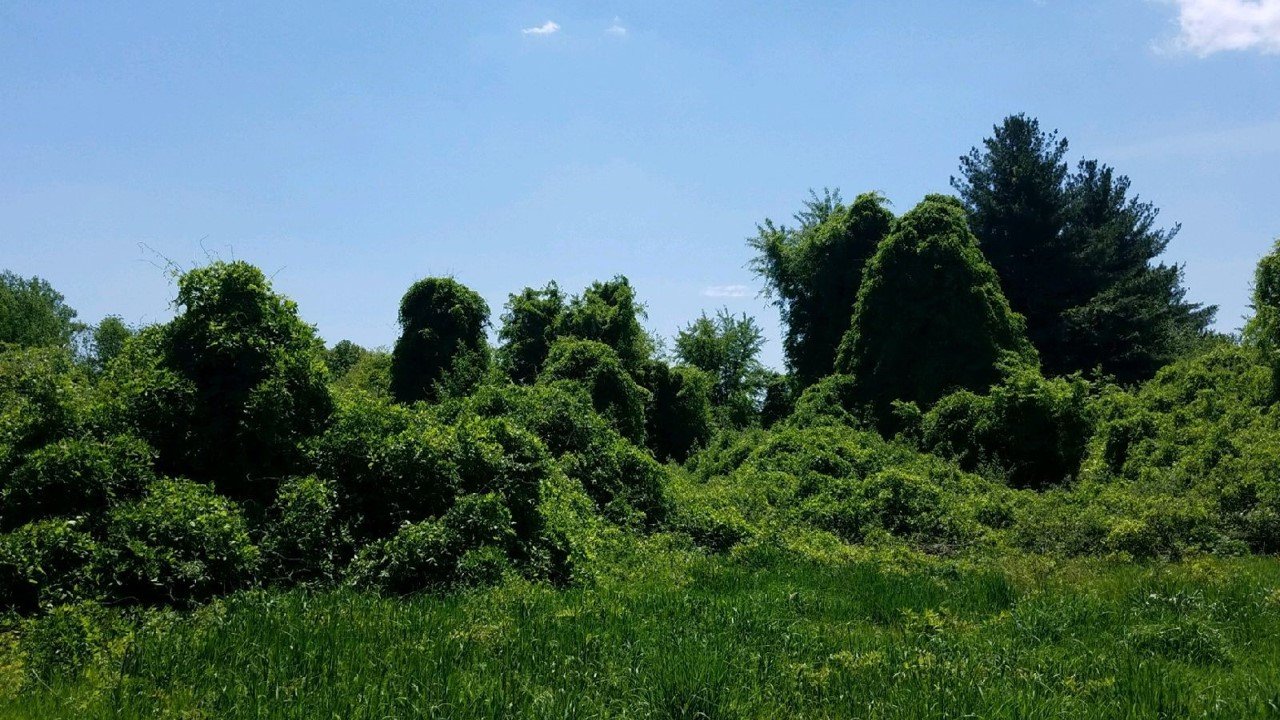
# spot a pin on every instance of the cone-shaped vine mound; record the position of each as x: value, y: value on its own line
x: 930, y: 316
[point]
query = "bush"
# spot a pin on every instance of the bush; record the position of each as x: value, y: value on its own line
x: 47, y: 563
x: 481, y: 520
x: 74, y: 476
x: 60, y: 645
x: 305, y: 541
x: 1034, y: 430
x: 613, y: 392
x: 482, y: 566
x: 43, y: 397
x: 420, y: 556
x: 388, y: 464
x: 830, y: 400
x: 181, y: 543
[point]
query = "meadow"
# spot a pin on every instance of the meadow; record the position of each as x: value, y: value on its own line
x: 765, y: 633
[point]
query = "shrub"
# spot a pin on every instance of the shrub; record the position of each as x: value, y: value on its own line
x: 73, y: 476
x: 1035, y: 430
x: 180, y: 543
x: 613, y: 392
x: 480, y: 520
x: 48, y: 563
x: 481, y: 566
x: 305, y: 540
x: 830, y: 400
x: 228, y: 391
x: 420, y: 556
x: 60, y: 645
x: 388, y: 464
x: 43, y: 396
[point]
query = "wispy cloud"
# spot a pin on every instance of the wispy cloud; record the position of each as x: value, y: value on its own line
x: 1210, y: 26
x: 726, y: 291
x: 545, y: 28
x: 617, y: 28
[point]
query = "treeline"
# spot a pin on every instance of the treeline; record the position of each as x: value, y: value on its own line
x: 1006, y: 369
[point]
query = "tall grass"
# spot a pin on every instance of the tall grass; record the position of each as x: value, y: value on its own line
x: 712, y: 638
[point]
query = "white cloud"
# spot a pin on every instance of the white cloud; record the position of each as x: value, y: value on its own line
x: 1210, y: 26
x: 616, y: 28
x: 545, y: 28
x: 726, y: 291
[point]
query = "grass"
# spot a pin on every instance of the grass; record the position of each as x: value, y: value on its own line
x: 756, y: 635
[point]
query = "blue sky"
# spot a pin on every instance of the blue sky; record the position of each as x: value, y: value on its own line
x: 349, y: 150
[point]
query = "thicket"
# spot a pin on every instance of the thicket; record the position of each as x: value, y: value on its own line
x: 229, y: 448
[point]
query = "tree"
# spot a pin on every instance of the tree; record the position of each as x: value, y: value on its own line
x: 1075, y: 255
x: 1263, y: 329
x: 33, y: 314
x: 727, y: 347
x: 679, y: 415
x: 343, y: 356
x: 930, y: 318
x: 442, y: 340
x: 813, y: 273
x: 529, y: 327
x: 608, y: 312
x: 107, y: 341
x: 232, y: 387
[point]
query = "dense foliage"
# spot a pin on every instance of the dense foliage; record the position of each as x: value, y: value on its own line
x: 1074, y: 253
x: 442, y: 348
x: 930, y: 317
x: 814, y: 271
x: 228, y: 450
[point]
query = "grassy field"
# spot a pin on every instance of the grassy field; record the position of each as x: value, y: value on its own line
x: 761, y: 636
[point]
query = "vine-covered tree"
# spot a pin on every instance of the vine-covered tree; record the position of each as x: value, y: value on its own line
x: 813, y: 272
x: 608, y: 312
x: 107, y: 341
x: 243, y: 378
x: 33, y: 314
x: 930, y: 318
x: 529, y: 327
x: 1263, y: 329
x: 1075, y: 255
x: 442, y: 340
x: 727, y: 347
x: 597, y: 369
x: 343, y: 356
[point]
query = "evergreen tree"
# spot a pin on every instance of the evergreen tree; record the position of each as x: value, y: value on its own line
x: 442, y: 341
x: 930, y: 318
x: 1075, y: 255
x: 813, y: 272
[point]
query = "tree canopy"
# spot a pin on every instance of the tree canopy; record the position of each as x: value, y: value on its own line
x: 442, y: 340
x: 33, y: 314
x: 1076, y: 255
x: 813, y: 272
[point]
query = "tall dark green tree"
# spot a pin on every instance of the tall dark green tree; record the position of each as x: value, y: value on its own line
x: 1075, y: 255
x: 930, y: 318
x: 33, y: 314
x: 727, y: 347
x: 529, y: 327
x: 343, y: 356
x: 813, y: 272
x: 442, y: 340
